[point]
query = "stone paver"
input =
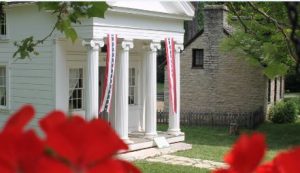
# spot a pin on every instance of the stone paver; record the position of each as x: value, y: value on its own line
x: 185, y: 161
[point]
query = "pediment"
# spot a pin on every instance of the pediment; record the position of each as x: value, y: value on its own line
x: 176, y: 8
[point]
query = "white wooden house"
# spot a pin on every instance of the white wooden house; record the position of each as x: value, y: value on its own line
x: 65, y: 76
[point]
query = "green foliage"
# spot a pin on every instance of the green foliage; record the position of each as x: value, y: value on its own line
x: 67, y: 13
x: 283, y: 112
x: 296, y: 101
x: 261, y: 36
x: 25, y: 48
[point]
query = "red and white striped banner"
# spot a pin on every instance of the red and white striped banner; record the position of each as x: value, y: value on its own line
x: 170, y: 48
x: 111, y: 44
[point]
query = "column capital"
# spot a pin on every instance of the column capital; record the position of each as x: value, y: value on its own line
x: 178, y: 47
x: 127, y: 44
x: 94, y: 44
x: 155, y: 45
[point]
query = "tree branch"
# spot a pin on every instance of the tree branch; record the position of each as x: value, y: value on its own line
x: 231, y: 7
x: 279, y: 27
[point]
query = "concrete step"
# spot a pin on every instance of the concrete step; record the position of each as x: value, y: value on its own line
x: 154, y: 151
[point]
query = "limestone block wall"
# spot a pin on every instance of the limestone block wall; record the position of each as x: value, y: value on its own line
x: 226, y: 83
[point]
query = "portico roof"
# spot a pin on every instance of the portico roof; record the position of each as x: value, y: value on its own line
x: 176, y: 9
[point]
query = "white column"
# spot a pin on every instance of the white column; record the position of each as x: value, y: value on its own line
x: 174, y: 119
x: 92, y: 78
x: 143, y: 88
x: 150, y: 125
x: 122, y: 86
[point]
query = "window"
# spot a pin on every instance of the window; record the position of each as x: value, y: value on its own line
x: 2, y: 24
x: 132, y: 87
x: 76, y: 89
x: 3, y: 86
x: 197, y: 58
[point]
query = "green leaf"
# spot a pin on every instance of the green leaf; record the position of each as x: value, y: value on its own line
x: 97, y: 10
x: 71, y: 33
x: 274, y: 69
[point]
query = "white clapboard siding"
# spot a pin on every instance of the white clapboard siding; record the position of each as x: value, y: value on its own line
x: 31, y: 81
x: 32, y: 73
x: 43, y: 94
x: 41, y: 101
x: 20, y: 86
x: 30, y: 67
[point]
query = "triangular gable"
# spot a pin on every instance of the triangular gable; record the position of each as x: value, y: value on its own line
x: 177, y: 8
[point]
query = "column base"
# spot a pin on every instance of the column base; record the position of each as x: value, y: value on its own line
x: 175, y: 132
x: 150, y: 135
x: 127, y: 141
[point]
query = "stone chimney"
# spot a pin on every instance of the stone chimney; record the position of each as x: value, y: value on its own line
x: 215, y: 18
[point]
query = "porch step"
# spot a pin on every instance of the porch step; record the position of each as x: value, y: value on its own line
x: 153, y: 152
x: 140, y: 143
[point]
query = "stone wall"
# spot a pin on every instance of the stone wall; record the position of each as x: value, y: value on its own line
x: 226, y: 83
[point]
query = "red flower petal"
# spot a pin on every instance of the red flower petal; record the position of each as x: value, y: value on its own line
x: 246, y: 153
x: 101, y: 141
x: 81, y: 143
x: 19, y: 119
x: 288, y: 162
x: 53, y: 119
x: 50, y: 165
x: 30, y: 149
x: 267, y: 168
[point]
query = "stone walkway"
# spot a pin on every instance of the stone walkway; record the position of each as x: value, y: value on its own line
x: 185, y: 161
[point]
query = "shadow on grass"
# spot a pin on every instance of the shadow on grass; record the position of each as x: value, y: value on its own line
x: 213, y: 142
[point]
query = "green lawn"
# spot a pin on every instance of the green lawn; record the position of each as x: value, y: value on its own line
x: 160, y: 87
x: 150, y: 167
x: 212, y: 143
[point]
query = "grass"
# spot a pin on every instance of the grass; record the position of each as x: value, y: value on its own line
x: 150, y: 167
x: 291, y: 95
x: 213, y: 143
x: 160, y: 87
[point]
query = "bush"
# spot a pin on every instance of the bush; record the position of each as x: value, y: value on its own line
x: 295, y: 100
x: 283, y: 112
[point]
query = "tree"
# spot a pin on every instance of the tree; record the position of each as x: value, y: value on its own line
x: 262, y: 36
x: 66, y: 13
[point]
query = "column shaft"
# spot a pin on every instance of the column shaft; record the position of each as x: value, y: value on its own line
x: 150, y: 126
x: 92, y: 79
x: 122, y: 86
x: 174, y: 119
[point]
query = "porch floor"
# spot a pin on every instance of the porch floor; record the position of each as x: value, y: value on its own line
x: 140, y: 142
x: 142, y: 147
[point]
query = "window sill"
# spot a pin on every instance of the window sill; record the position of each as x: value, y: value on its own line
x: 197, y: 68
x: 4, y: 38
x: 4, y: 110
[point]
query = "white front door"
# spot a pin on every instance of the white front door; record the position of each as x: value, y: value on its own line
x: 134, y: 99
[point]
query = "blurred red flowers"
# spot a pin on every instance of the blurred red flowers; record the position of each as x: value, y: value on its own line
x: 247, y: 154
x: 72, y: 145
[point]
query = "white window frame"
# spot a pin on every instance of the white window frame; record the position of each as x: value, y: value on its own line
x: 77, y: 66
x: 6, y: 106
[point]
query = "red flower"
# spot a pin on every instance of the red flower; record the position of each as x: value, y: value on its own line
x: 18, y: 120
x: 289, y: 161
x: 86, y: 147
x: 267, y: 168
x: 19, y: 150
x: 245, y: 155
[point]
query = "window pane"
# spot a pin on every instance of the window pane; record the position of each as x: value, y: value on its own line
x: 76, y: 88
x: 197, y: 58
x: 2, y: 96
